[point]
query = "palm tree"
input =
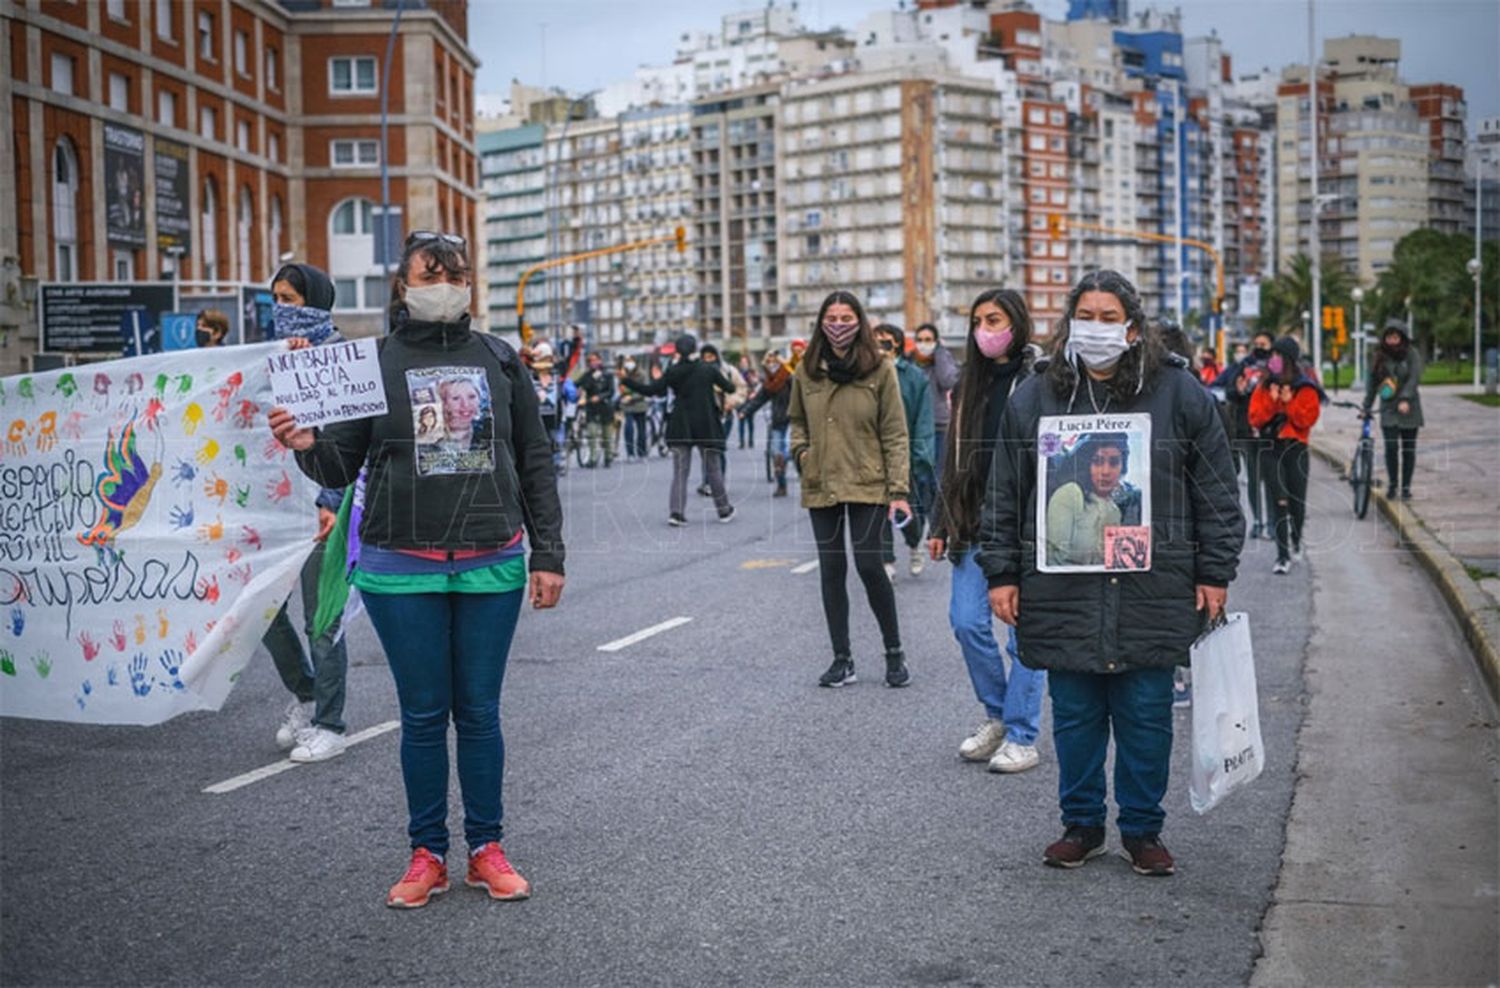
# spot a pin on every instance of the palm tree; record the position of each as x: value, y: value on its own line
x: 1284, y: 298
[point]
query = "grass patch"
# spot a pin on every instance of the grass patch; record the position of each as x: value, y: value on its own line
x: 1477, y: 573
x: 1442, y: 372
x: 1488, y: 401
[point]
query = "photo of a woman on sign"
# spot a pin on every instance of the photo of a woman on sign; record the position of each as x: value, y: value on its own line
x: 461, y: 404
x: 452, y: 421
x: 1094, y: 510
x: 429, y: 424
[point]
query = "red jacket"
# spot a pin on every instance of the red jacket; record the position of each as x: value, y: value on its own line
x: 1301, y: 412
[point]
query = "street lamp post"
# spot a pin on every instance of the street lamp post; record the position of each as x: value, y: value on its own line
x: 1358, y: 296
x: 1306, y: 325
x: 1475, y: 266
x: 385, y: 147
x: 1476, y: 263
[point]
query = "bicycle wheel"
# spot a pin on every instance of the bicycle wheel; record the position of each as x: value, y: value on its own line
x: 1361, y: 476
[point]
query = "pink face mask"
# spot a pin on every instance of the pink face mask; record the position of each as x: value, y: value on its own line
x: 1276, y: 364
x: 993, y: 345
x: 841, y: 334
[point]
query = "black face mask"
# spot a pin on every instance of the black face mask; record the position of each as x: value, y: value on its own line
x: 1261, y: 353
x: 887, y: 346
x: 204, y: 337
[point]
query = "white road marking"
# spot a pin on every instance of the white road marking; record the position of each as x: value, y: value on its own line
x: 643, y: 634
x: 286, y: 764
x: 807, y: 567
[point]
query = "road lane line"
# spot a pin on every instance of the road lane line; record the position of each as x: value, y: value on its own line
x: 643, y: 634
x: 286, y: 764
x: 807, y: 567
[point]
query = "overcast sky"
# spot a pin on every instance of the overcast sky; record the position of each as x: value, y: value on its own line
x: 590, y: 43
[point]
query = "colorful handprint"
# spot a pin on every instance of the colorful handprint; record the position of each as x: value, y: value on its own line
x: 279, y: 490
x: 46, y: 431
x: 216, y: 487
x: 89, y: 646
x: 184, y: 473
x: 208, y: 589
x: 250, y: 537
x: 140, y: 683
x: 117, y: 636
x: 192, y: 417
x: 212, y: 531
x: 181, y: 517
x: 244, y: 416
x: 140, y: 629
x: 207, y: 452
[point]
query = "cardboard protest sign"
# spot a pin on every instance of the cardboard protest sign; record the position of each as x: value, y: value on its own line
x: 1093, y: 509
x: 330, y: 383
x: 150, y: 529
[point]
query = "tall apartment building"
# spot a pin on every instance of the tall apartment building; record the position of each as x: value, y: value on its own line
x: 203, y: 140
x: 735, y: 203
x: 660, y: 295
x: 513, y: 172
x: 1443, y: 109
x: 585, y: 200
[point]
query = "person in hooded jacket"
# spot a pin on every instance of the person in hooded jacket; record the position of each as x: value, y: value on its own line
x: 916, y: 400
x: 932, y: 357
x: 1395, y: 379
x: 997, y: 357
x: 1283, y: 409
x: 1110, y: 640
x: 442, y: 568
x: 312, y: 728
x: 693, y: 423
x: 1238, y: 382
x: 775, y: 390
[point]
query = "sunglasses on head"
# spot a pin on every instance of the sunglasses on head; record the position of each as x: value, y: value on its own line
x: 427, y: 236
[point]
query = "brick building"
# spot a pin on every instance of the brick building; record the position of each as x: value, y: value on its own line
x: 204, y: 139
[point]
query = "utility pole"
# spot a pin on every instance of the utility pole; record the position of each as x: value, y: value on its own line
x: 1314, y: 202
x: 1476, y: 266
x: 385, y: 147
x: 1177, y: 272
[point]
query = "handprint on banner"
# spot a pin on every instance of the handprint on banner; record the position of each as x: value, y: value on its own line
x: 171, y: 663
x: 239, y: 454
x: 82, y: 697
x: 242, y: 495
x: 226, y: 394
x: 153, y: 411
x: 274, y: 449
x: 159, y: 386
x: 15, y: 438
x: 212, y: 531
x: 208, y: 589
x: 117, y: 636
x: 67, y: 386
x: 190, y: 643
x: 216, y: 487
x: 140, y: 629
x: 207, y: 452
x: 192, y: 417
x: 250, y: 537
x: 233, y: 555
x: 112, y: 675
x: 184, y: 473
x: 163, y: 626
x: 101, y: 384
x: 181, y: 517
x: 26, y: 389
x: 89, y: 646
x: 140, y: 683
x: 17, y: 621
x: 7, y: 663
x: 135, y: 383
x: 72, y: 427
x: 241, y: 574
x: 46, y: 432
x: 42, y: 663
x: 279, y: 490
x: 244, y: 417
x: 184, y: 384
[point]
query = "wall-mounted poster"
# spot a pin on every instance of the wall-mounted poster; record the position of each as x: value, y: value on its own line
x: 174, y: 226
x: 125, y: 186
x: 1095, y: 474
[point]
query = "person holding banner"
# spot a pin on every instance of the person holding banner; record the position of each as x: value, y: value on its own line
x: 312, y: 729
x: 442, y: 569
x: 1110, y: 634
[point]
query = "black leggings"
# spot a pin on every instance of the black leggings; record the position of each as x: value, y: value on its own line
x: 1400, y: 444
x: 1285, y: 468
x: 865, y: 524
x: 1256, y: 485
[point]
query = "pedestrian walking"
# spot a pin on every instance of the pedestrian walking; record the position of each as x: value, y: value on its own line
x: 1283, y: 409
x: 692, y: 424
x: 445, y: 597
x: 597, y: 391
x: 635, y: 407
x: 1109, y: 636
x: 1395, y: 380
x: 312, y: 728
x: 727, y: 403
x: 1238, y: 382
x: 553, y: 393
x: 776, y: 391
x: 942, y: 377
x: 850, y: 445
x: 997, y: 357
x: 752, y: 384
x: 916, y: 402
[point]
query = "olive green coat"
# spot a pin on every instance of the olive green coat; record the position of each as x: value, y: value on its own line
x: 849, y: 441
x: 1404, y: 377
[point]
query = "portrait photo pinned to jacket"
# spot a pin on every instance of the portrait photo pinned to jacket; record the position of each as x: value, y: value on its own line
x: 1096, y: 472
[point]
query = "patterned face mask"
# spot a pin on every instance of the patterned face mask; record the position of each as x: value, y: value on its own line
x: 313, y: 325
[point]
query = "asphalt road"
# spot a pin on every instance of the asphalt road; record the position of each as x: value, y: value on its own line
x: 690, y: 809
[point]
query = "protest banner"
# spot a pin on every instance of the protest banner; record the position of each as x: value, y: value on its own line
x: 150, y: 529
x: 330, y: 383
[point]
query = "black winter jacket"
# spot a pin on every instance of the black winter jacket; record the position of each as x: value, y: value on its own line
x: 695, y: 418
x: 780, y: 402
x: 1114, y: 622
x: 428, y: 496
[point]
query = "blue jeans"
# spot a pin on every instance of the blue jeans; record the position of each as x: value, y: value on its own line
x: 321, y: 682
x: 447, y: 652
x: 635, y: 434
x: 1138, y: 706
x: 779, y: 445
x: 1016, y: 702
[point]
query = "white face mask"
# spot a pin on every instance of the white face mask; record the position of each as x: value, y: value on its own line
x: 438, y: 303
x: 926, y: 349
x: 630, y: 365
x: 1100, y: 345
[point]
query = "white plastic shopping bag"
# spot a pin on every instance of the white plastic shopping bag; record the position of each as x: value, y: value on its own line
x: 1227, y: 749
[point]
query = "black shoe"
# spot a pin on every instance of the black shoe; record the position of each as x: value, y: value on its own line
x: 1148, y: 856
x: 1406, y: 493
x: 1077, y: 845
x: 705, y: 490
x: 1390, y: 492
x: 727, y: 517
x: 841, y: 673
x: 896, y: 674
x: 676, y: 521
x: 1256, y: 529
x: 780, y: 490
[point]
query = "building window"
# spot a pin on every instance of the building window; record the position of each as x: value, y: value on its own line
x: 124, y: 264
x: 275, y: 228
x: 273, y: 80
x: 65, y: 211
x: 243, y: 227
x: 242, y: 135
x: 351, y: 76
x: 206, y: 36
x: 355, y: 154
x: 116, y: 10
x: 164, y: 20
x: 351, y: 254
x: 62, y: 74
x: 273, y: 147
x: 166, y: 108
x: 242, y: 53
x: 208, y: 122
x: 119, y: 92
x: 209, y: 225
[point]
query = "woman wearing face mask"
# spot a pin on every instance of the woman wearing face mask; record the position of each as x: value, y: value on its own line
x: 850, y: 445
x: 1394, y: 379
x: 212, y: 328
x: 775, y: 390
x: 442, y: 569
x: 312, y: 727
x: 1283, y: 409
x: 997, y: 357
x: 1110, y: 640
x: 1238, y: 382
x: 942, y: 377
x: 634, y: 406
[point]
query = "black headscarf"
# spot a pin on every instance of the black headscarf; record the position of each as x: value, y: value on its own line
x: 310, y: 282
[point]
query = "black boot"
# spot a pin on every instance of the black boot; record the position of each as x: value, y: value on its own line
x: 841, y: 673
x: 780, y: 487
x: 895, y: 668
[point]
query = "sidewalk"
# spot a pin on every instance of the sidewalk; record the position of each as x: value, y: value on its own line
x: 1452, y: 522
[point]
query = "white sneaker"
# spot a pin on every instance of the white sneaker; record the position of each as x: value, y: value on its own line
x: 1014, y: 757
x: 890, y: 571
x: 1297, y: 554
x: 918, y: 560
x: 979, y: 746
x: 297, y: 718
x: 318, y: 744
x: 1282, y: 567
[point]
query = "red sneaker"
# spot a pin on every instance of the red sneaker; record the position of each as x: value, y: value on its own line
x: 489, y: 870
x: 426, y: 877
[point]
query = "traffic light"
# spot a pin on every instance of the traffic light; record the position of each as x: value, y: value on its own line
x: 681, y: 232
x: 1056, y: 226
x: 1327, y: 317
x: 1340, y: 330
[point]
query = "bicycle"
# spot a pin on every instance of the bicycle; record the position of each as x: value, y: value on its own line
x: 1361, y: 471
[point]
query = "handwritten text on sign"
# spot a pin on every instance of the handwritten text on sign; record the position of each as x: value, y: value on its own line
x: 331, y: 383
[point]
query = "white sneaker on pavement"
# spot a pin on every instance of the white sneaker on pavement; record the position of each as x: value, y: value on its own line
x: 979, y: 746
x: 1014, y: 757
x: 890, y: 571
x: 918, y: 560
x: 318, y: 744
x: 298, y: 717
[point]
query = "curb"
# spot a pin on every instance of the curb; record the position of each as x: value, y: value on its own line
x: 1477, y: 615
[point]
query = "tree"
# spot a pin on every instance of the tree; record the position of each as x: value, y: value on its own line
x: 1284, y: 297
x: 1430, y: 269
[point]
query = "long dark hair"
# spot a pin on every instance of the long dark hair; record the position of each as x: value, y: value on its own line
x: 442, y: 255
x: 865, y: 351
x: 1136, y: 369
x: 962, y: 490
